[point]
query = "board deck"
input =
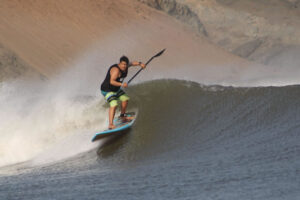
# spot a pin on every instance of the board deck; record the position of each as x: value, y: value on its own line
x: 120, y: 126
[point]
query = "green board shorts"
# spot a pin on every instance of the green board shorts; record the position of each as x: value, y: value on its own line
x: 113, y: 97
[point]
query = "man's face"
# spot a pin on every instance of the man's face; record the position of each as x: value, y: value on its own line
x: 123, y: 65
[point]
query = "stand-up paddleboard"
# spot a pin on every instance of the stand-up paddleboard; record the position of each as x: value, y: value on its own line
x: 120, y: 126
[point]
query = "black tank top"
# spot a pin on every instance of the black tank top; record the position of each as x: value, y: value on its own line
x: 106, y: 86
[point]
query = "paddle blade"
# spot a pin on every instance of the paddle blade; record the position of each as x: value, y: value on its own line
x: 159, y: 53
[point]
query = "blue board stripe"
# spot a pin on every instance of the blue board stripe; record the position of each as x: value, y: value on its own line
x: 120, y: 128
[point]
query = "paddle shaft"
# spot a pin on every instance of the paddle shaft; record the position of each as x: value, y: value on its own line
x: 140, y: 70
x: 161, y: 52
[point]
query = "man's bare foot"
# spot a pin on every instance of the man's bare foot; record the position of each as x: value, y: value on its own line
x: 126, y: 119
x: 111, y: 126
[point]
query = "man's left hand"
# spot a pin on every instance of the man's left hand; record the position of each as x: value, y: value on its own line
x: 143, y: 65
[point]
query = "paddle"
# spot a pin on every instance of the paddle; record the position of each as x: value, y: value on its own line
x: 161, y: 52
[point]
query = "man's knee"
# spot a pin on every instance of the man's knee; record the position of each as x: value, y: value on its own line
x: 124, y: 97
x: 113, y: 103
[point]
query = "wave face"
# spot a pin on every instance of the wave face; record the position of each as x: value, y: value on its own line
x: 188, y: 140
x: 184, y: 116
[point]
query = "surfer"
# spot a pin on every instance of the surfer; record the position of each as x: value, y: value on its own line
x: 111, y: 88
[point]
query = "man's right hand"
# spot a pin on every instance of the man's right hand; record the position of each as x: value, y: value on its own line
x: 124, y: 85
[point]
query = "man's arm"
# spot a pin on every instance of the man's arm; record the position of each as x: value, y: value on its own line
x: 114, y: 74
x: 136, y: 63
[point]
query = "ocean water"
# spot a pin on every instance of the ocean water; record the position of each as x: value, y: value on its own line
x: 190, y: 141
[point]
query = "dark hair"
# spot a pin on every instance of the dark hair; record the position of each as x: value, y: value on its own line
x: 125, y: 59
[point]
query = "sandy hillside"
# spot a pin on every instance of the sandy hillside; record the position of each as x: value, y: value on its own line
x: 263, y: 31
x: 50, y: 35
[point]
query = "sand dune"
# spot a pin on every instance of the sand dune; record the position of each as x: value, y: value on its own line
x: 48, y: 35
x: 263, y: 31
x: 51, y: 36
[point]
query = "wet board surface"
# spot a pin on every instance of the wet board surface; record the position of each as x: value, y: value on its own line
x: 120, y: 126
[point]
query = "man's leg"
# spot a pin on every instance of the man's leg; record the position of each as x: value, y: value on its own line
x: 124, y: 99
x: 113, y: 103
x: 124, y: 107
x: 123, y: 111
x: 112, y: 111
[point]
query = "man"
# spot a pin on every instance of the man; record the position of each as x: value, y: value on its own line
x: 111, y: 88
